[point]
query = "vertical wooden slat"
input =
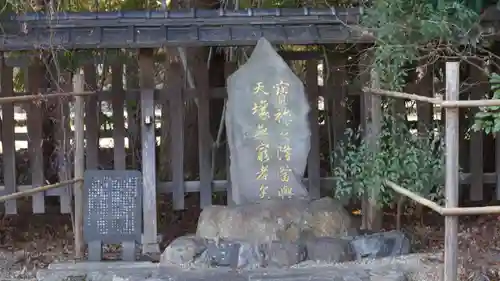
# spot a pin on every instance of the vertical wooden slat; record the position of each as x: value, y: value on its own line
x: 313, y: 163
x: 118, y: 118
x: 133, y: 111
x: 230, y: 68
x: 8, y: 138
x: 204, y: 138
x: 33, y: 80
x: 452, y: 173
x: 337, y: 81
x: 177, y: 141
x: 146, y: 67
x: 481, y: 88
x: 425, y: 110
x: 92, y: 110
x: 464, y: 143
x: 79, y: 164
x: 63, y: 131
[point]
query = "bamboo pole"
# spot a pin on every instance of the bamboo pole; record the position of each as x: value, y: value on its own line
x: 79, y: 165
x: 452, y: 172
x: 436, y: 101
x: 42, y: 188
x: 415, y: 197
x: 464, y: 211
x: 401, y: 95
x: 453, y: 211
x: 470, y: 103
x: 26, y: 98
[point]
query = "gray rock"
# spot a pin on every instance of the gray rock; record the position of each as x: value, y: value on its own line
x: 329, y: 249
x: 274, y: 220
x: 235, y: 254
x: 267, y: 128
x: 250, y: 256
x: 183, y: 251
x: 329, y: 218
x: 280, y: 254
x: 379, y: 245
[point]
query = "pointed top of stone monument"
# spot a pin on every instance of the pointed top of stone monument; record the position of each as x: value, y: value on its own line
x: 264, y: 50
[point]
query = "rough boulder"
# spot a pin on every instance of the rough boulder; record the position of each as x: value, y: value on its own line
x: 275, y: 220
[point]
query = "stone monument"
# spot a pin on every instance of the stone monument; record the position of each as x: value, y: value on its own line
x: 274, y: 223
x: 267, y: 127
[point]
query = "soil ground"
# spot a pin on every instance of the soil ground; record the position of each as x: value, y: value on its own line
x: 29, y: 242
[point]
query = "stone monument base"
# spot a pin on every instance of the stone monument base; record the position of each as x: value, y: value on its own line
x: 275, y: 220
x: 278, y: 233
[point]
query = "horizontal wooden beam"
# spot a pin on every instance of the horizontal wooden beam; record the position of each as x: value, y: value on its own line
x: 215, y: 93
x: 25, y: 60
x: 326, y: 183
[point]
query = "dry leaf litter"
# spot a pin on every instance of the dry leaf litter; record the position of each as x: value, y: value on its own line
x: 29, y: 242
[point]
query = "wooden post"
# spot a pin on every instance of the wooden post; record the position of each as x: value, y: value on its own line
x: 63, y: 131
x: 365, y: 62
x: 146, y: 67
x: 452, y: 173
x: 8, y: 138
x: 79, y: 165
x: 373, y: 212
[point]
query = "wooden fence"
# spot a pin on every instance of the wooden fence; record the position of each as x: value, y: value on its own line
x: 343, y: 106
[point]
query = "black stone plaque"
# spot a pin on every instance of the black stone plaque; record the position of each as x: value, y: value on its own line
x: 113, y: 210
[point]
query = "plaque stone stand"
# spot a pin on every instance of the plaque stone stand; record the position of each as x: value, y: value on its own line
x: 113, y: 211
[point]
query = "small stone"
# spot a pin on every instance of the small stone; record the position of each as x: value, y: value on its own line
x: 329, y: 249
x: 183, y: 250
x: 379, y: 245
x: 280, y: 254
x: 223, y: 253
